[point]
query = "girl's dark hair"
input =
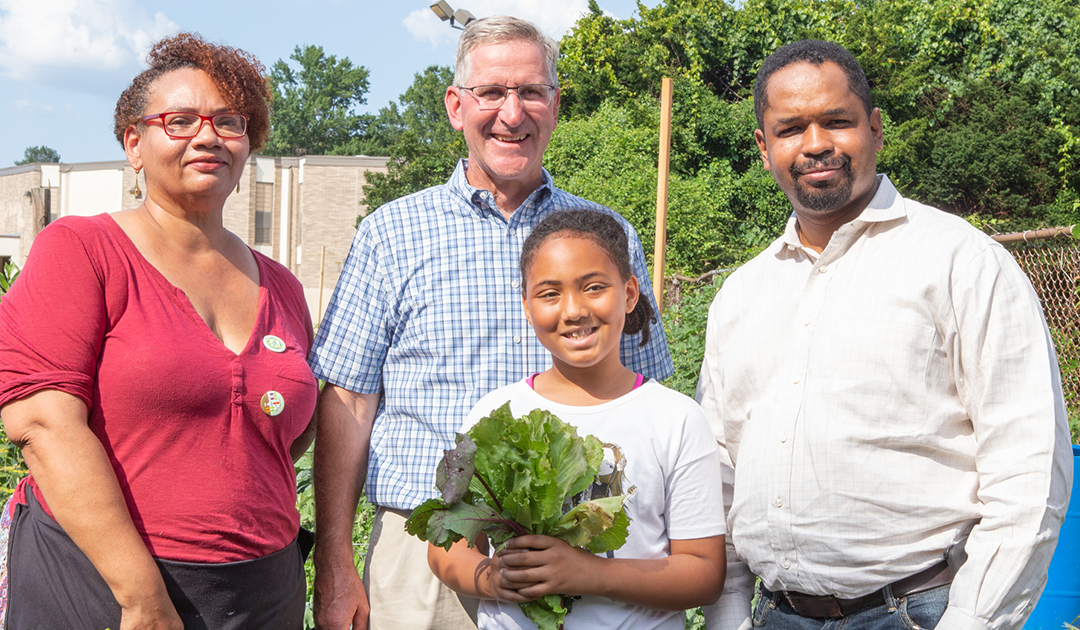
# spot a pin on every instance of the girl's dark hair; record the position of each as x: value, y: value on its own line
x: 237, y: 75
x: 609, y: 235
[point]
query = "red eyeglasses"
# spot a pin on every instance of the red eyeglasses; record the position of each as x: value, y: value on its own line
x: 188, y: 124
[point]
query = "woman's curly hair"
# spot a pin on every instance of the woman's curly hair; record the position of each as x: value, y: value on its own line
x: 238, y: 75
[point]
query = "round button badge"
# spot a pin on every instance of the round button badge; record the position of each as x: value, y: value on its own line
x: 272, y: 403
x: 274, y: 343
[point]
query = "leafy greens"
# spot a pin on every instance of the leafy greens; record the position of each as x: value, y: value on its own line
x: 510, y: 477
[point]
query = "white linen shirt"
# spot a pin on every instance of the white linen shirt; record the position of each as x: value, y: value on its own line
x: 874, y: 402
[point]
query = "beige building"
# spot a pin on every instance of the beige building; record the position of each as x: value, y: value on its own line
x: 299, y: 211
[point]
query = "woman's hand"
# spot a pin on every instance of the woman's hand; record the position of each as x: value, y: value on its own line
x: 156, y: 613
x: 534, y: 566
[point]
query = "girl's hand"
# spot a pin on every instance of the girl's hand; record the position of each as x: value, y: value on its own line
x: 498, y: 586
x: 534, y: 566
x: 469, y: 571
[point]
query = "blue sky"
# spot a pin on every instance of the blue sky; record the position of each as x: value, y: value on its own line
x: 63, y: 63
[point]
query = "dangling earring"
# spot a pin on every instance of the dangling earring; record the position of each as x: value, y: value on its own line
x: 237, y: 186
x: 137, y: 191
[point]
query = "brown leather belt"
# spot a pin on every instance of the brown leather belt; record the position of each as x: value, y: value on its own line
x: 831, y: 607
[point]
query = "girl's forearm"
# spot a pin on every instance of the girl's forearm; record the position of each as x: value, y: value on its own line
x: 691, y: 576
x: 678, y: 582
x: 462, y: 569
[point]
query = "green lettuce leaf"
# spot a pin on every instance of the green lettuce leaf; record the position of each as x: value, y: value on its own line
x: 594, y: 525
x: 513, y: 476
x: 548, y: 612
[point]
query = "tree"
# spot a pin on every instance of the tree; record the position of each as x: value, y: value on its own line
x: 315, y: 106
x: 41, y: 154
x: 426, y: 148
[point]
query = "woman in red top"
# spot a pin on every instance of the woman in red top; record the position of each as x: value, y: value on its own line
x: 152, y: 369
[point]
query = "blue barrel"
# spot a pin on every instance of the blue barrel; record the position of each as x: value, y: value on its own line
x: 1060, y: 601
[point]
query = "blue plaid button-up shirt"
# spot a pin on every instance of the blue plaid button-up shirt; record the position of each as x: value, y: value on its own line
x: 428, y: 311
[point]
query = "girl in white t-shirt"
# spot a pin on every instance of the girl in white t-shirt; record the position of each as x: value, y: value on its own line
x: 581, y: 297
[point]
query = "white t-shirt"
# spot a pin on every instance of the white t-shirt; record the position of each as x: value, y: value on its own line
x: 670, y: 461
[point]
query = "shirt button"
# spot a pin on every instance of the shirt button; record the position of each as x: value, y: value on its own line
x: 796, y: 379
x: 513, y: 231
x: 791, y: 247
x: 806, y: 322
x: 823, y: 268
x: 785, y: 563
x: 517, y: 339
x: 783, y: 437
x: 515, y: 284
x: 779, y: 503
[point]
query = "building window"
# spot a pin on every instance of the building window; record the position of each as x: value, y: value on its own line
x: 264, y: 212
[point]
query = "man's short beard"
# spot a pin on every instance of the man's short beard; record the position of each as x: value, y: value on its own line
x: 830, y: 195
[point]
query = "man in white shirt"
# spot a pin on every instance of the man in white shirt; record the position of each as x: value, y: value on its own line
x: 883, y: 388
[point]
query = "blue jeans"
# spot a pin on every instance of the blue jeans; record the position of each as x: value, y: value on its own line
x: 920, y: 611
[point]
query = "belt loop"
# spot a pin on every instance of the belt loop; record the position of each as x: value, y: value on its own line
x: 890, y: 599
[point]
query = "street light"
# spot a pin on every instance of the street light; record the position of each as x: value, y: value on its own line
x: 446, y: 12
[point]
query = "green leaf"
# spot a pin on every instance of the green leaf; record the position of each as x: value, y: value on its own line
x: 613, y: 537
x: 547, y: 613
x: 510, y: 476
x: 417, y: 523
x: 462, y: 520
x: 593, y: 521
x: 456, y: 470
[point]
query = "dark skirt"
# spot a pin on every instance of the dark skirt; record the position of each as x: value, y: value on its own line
x: 51, y: 584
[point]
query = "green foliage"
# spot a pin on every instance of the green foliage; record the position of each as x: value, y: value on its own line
x: 305, y: 504
x: 721, y: 203
x: 1010, y: 171
x: 425, y: 148
x: 8, y: 273
x: 511, y: 476
x: 695, y: 620
x: 42, y: 154
x: 981, y: 102
x: 12, y: 466
x: 981, y: 97
x: 684, y: 325
x: 315, y: 106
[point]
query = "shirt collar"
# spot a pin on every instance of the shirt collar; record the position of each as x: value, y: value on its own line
x: 480, y: 200
x: 887, y: 205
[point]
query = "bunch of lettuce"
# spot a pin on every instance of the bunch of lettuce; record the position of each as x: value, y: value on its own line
x: 510, y: 477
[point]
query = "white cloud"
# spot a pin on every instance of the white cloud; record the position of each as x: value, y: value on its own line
x: 554, y: 17
x: 27, y: 106
x: 76, y: 43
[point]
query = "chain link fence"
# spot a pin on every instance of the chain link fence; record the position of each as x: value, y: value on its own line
x: 1051, y: 259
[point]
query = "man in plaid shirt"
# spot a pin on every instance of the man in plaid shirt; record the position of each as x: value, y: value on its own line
x: 426, y: 318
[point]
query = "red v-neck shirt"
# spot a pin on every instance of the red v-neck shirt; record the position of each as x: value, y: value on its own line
x: 206, y: 473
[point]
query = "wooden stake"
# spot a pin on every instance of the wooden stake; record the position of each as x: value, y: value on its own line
x: 322, y: 274
x: 666, y: 89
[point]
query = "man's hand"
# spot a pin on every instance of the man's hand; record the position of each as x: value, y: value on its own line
x: 340, y: 599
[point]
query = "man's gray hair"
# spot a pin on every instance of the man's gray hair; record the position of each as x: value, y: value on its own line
x: 499, y: 29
